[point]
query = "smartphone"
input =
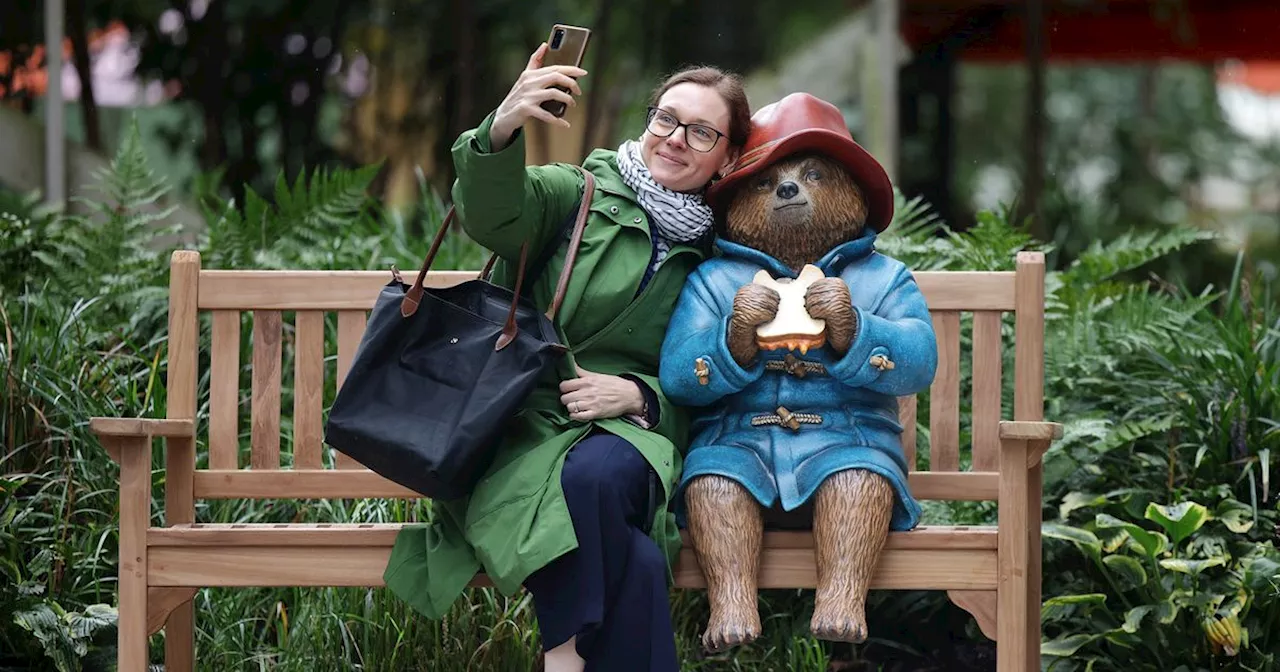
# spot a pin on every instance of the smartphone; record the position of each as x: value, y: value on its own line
x: 565, y: 46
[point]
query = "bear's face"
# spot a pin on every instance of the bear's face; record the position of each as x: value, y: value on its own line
x: 797, y: 210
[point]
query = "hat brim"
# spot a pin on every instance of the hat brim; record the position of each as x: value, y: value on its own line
x: 867, y: 172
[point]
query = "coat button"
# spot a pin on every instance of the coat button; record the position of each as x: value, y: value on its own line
x: 883, y: 363
x: 636, y: 220
x: 613, y: 210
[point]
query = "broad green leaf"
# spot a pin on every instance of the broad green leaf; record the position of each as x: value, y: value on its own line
x: 1133, y: 619
x: 1263, y: 573
x: 1065, y: 606
x: 1079, y: 500
x: 1236, y: 516
x: 95, y: 617
x: 1167, y: 612
x: 1083, y: 539
x: 1112, y: 539
x: 1235, y: 604
x: 1152, y: 543
x: 1065, y: 646
x: 1192, y: 567
x: 1128, y: 572
x: 1121, y: 638
x: 1179, y: 520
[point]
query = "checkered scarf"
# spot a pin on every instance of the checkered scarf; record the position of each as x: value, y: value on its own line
x: 675, y: 216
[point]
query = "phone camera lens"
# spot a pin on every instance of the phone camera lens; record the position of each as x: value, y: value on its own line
x: 557, y: 38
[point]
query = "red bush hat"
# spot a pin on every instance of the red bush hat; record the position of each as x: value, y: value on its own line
x: 798, y: 123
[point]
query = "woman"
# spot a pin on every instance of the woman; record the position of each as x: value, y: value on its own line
x: 574, y: 507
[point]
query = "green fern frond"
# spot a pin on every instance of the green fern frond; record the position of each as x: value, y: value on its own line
x: 302, y: 227
x: 332, y: 199
x: 918, y: 239
x: 993, y: 243
x: 1103, y: 261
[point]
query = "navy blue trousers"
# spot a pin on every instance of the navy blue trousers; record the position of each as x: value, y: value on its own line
x: 611, y: 591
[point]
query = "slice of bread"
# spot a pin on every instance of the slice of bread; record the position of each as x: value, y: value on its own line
x: 792, y: 328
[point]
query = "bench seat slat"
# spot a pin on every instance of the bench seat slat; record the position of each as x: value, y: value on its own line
x: 361, y: 484
x: 924, y: 537
x: 274, y: 566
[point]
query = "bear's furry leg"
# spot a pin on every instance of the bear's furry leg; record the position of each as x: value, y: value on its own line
x: 850, y: 525
x: 726, y: 529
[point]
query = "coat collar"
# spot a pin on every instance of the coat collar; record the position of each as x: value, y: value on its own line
x: 603, y: 164
x: 829, y: 264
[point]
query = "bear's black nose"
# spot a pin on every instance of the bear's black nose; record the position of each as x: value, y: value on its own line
x: 788, y: 190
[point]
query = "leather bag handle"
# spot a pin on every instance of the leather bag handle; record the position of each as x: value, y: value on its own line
x: 413, y: 298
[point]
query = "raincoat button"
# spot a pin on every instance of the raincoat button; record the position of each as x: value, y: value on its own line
x: 613, y: 210
x: 702, y: 371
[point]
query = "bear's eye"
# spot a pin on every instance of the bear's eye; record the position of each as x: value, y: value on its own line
x: 763, y: 183
x: 813, y: 175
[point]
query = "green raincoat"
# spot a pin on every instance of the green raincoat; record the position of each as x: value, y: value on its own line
x: 515, y: 520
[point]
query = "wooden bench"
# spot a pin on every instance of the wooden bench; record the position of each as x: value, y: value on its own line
x: 992, y: 572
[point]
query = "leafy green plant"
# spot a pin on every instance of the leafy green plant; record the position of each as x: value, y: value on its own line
x: 1224, y: 379
x: 1188, y: 592
x: 66, y: 635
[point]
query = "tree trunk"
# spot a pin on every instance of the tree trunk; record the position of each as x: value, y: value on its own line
x: 78, y: 31
x: 1035, y: 130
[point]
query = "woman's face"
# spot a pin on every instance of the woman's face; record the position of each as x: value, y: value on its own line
x: 674, y: 160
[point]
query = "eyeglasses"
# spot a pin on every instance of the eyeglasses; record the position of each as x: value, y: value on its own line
x: 699, y: 138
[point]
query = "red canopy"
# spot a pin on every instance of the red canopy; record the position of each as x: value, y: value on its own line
x: 1118, y: 30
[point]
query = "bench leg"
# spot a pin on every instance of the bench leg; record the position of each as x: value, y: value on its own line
x: 180, y: 639
x: 1013, y: 548
x: 135, y: 517
x: 1035, y: 493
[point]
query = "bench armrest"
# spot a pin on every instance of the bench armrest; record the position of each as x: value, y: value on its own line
x: 141, y: 427
x: 1030, y: 430
x: 113, y: 432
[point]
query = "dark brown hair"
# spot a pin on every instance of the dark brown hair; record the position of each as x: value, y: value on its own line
x: 727, y: 84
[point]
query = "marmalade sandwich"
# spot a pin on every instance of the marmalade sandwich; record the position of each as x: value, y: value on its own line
x: 791, y: 328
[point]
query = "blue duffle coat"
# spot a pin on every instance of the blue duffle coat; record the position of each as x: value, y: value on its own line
x: 856, y: 400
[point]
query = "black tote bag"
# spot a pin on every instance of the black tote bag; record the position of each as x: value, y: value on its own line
x: 439, y: 371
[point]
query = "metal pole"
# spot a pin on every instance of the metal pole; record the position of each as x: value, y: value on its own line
x: 55, y: 149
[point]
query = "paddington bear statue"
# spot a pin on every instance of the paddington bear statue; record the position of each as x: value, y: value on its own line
x: 792, y: 346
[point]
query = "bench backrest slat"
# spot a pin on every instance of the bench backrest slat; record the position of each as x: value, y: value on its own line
x: 308, y: 390
x: 907, y: 418
x: 224, y: 391
x: 944, y: 396
x: 265, y: 402
x: 350, y: 329
x: 299, y: 323
x: 987, y: 386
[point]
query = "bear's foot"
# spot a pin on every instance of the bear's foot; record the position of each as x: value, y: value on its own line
x: 731, y: 626
x: 839, y: 621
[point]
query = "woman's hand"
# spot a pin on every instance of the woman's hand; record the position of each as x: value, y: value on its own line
x: 596, y: 396
x: 532, y: 88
